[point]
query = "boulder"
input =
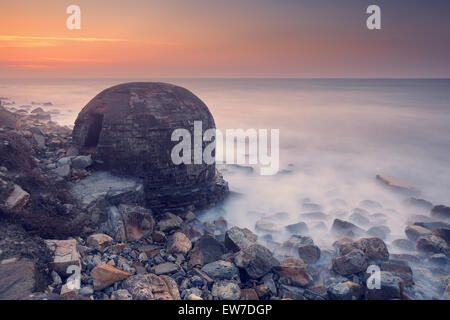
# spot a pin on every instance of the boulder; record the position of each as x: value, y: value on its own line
x: 303, y: 247
x: 373, y: 248
x: 62, y: 171
x: 65, y: 254
x: 256, y: 260
x: 444, y: 233
x: 339, y: 291
x: 297, y: 228
x: 179, y: 243
x: 413, y: 232
x: 433, y: 244
x: 397, y: 185
x: 390, y: 287
x: 99, y: 241
x: 206, y: 250
x: 381, y: 232
x: 440, y: 212
x: 128, y: 222
x: 419, y: 205
x: 221, y: 270
x: 404, y: 244
x: 17, y: 279
x: 121, y: 294
x: 293, y: 272
x: 169, y: 222
x: 344, y: 228
x: 353, y: 262
x: 239, y: 238
x: 226, y: 290
x: 81, y: 162
x: 399, y: 268
x: 17, y: 199
x: 105, y: 275
x: 151, y: 287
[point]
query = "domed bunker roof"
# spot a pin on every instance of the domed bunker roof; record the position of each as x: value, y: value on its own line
x: 128, y: 128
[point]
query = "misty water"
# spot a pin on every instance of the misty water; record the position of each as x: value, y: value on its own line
x: 335, y: 136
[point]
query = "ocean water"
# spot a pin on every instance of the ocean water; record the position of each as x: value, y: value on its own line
x: 335, y: 136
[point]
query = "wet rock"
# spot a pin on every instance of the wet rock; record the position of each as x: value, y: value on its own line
x: 353, y: 262
x: 381, y: 232
x: 222, y: 270
x: 121, y: 294
x: 165, y: 268
x: 420, y: 205
x: 169, y: 222
x: 239, y: 238
x: 128, y: 222
x: 151, y: 287
x: 404, y: 244
x: 440, y: 212
x: 17, y: 279
x: 65, y: 254
x: 256, y: 260
x: 373, y: 248
x: 226, y: 290
x: 297, y: 228
x: 390, y: 288
x: 414, y: 232
x: 359, y: 219
x: 339, y: 291
x: 398, y: 185
x: 17, y: 199
x: 105, y: 275
x: 431, y: 225
x: 99, y: 241
x: 62, y: 171
x: 293, y: 272
x: 206, y: 250
x: 399, y: 268
x: 248, y: 294
x: 303, y: 247
x: 444, y: 233
x: 433, y: 244
x: 81, y: 162
x: 406, y: 257
x: 344, y: 228
x: 179, y: 243
x: 370, y: 204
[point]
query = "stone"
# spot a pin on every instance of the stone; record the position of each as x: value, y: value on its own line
x: 179, y: 243
x: 86, y: 291
x: 443, y: 233
x: 225, y: 290
x: 404, y: 244
x: 339, y: 291
x: 440, y: 212
x: 65, y: 254
x: 165, y: 268
x: 390, y: 287
x: 297, y: 228
x: 256, y: 260
x: 40, y: 140
x: 373, y: 248
x: 345, y: 228
x: 267, y: 226
x: 206, y: 250
x: 105, y: 275
x: 398, y: 186
x: 115, y: 190
x: 353, y: 262
x: 193, y: 297
x: 370, y: 204
x: 128, y: 222
x: 359, y: 219
x: 248, y: 294
x: 99, y: 241
x: 293, y: 272
x: 303, y: 247
x: 413, y: 232
x: 17, y: 199
x: 8, y: 120
x: 438, y: 259
x: 151, y: 287
x: 68, y: 292
x: 62, y: 171
x: 221, y: 270
x: 399, y: 268
x: 18, y: 279
x: 121, y: 294
x: 81, y: 162
x: 433, y: 244
x: 239, y: 238
x: 169, y: 222
x: 381, y: 232
x: 127, y: 129
x: 420, y: 205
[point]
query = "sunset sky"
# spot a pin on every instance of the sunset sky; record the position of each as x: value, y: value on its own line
x: 224, y: 38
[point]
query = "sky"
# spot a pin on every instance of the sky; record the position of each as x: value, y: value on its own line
x: 225, y: 38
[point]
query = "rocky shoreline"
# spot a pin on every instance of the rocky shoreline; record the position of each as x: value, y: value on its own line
x: 55, y: 214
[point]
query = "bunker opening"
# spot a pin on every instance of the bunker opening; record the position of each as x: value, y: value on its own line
x: 94, y: 129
